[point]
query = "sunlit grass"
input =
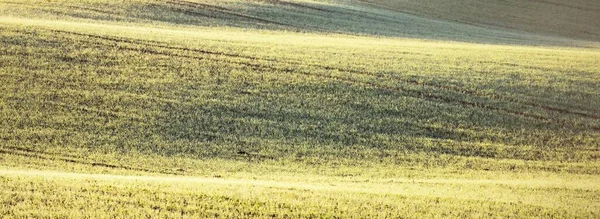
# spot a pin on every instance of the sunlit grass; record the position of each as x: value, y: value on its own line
x: 95, y: 195
x: 110, y: 118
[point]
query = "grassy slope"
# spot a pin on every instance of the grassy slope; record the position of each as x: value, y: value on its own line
x: 139, y: 196
x: 306, y: 16
x: 97, y: 95
x: 576, y: 19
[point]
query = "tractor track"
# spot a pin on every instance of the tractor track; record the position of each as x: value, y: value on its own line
x: 225, y: 11
x: 361, y: 14
x: 15, y: 151
x: 412, y: 93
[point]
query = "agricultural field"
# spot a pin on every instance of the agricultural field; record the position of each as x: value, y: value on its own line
x: 298, y: 109
x: 576, y: 19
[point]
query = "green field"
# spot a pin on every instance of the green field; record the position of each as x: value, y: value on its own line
x: 312, y: 109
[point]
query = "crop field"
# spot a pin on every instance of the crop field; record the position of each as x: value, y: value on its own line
x: 287, y: 109
x: 575, y: 18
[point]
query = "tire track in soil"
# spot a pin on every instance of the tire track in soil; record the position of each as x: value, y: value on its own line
x: 380, y: 76
x: 519, y: 65
x: 416, y: 94
x: 360, y: 14
x: 549, y: 108
x: 298, y: 5
x: 569, y: 6
x: 226, y: 11
x: 48, y: 156
x: 29, y: 150
x: 187, y: 12
x: 223, y: 10
x: 90, y: 9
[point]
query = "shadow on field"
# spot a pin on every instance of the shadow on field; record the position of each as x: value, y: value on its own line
x: 334, y: 116
x: 296, y: 16
x: 114, y: 100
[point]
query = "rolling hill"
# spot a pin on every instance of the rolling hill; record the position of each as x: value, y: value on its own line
x: 572, y: 19
x: 435, y: 20
x: 299, y: 109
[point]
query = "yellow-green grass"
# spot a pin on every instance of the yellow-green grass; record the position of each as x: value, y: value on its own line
x: 60, y: 194
x: 132, y: 117
x: 337, y: 16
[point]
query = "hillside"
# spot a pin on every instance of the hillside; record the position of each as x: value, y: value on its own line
x: 577, y: 19
x: 346, y: 17
x: 291, y: 109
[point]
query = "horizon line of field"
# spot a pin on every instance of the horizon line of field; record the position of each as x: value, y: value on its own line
x: 415, y: 93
